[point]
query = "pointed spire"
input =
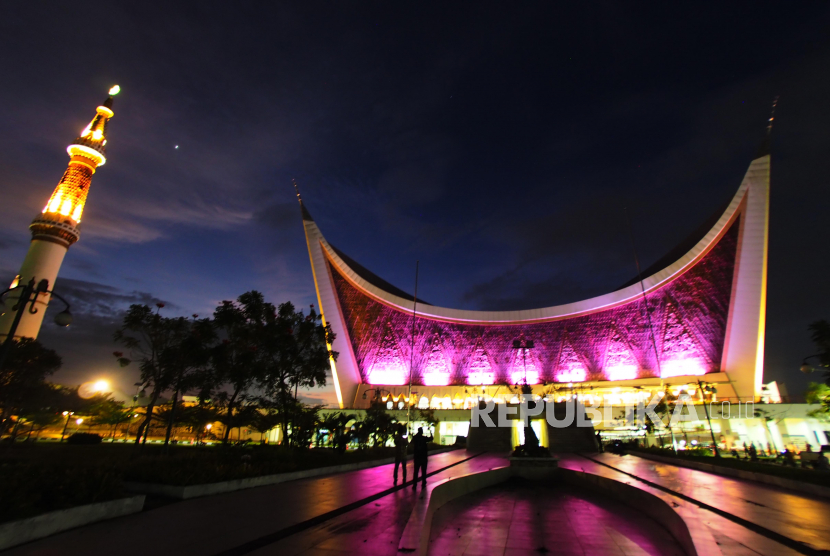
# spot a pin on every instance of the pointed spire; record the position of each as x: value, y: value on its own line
x: 87, y: 152
x: 306, y: 214
x: 93, y: 139
x: 765, y: 145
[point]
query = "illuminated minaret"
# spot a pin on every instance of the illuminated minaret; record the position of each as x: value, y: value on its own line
x: 57, y: 227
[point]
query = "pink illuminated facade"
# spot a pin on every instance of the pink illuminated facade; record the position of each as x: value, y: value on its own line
x: 701, y: 315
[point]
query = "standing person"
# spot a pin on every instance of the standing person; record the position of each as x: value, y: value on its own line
x: 400, y: 452
x: 419, y: 443
x: 599, y: 442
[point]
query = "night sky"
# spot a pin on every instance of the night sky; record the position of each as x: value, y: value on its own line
x: 497, y: 145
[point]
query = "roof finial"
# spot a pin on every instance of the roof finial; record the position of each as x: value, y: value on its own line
x: 765, y: 146
x: 772, y: 115
x: 297, y: 189
x: 306, y: 215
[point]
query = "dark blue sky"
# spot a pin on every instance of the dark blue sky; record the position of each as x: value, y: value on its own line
x: 495, y: 144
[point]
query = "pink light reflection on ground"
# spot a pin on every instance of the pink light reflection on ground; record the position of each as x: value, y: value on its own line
x: 521, y: 518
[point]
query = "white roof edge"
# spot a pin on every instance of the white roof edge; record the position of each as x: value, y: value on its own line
x: 568, y: 310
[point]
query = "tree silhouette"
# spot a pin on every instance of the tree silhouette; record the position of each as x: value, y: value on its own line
x: 22, y: 376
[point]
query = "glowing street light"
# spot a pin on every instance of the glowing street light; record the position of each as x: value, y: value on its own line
x: 66, y: 414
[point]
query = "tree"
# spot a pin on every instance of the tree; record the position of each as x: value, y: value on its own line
x: 186, y: 359
x: 296, y: 354
x: 339, y: 435
x: 766, y: 416
x: 144, y: 333
x: 238, y: 360
x: 379, y: 423
x: 664, y: 409
x: 820, y: 393
x: 820, y: 330
x: 112, y: 413
x: 265, y: 421
x: 24, y: 372
x: 198, y: 417
x: 304, y: 424
x: 40, y: 420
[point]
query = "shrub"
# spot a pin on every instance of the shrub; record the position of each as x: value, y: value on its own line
x: 84, y: 438
x: 28, y: 489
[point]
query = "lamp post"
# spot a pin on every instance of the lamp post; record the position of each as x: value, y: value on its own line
x: 523, y: 345
x: 29, y: 296
x: 378, y: 393
x: 710, y: 390
x: 806, y: 368
x: 66, y: 414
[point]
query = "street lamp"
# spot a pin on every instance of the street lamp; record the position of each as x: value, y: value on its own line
x: 378, y: 393
x: 29, y: 295
x: 523, y: 345
x: 66, y: 414
x: 806, y: 368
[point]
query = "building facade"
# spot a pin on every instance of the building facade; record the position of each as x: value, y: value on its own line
x: 699, y: 318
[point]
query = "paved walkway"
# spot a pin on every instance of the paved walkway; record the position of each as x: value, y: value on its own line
x: 521, y: 518
x: 360, y: 512
x: 219, y: 524
x: 373, y: 529
x: 794, y: 515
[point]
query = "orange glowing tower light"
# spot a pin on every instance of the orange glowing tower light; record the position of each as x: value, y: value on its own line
x: 57, y: 227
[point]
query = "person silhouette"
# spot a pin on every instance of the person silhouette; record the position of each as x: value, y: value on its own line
x: 419, y: 443
x: 400, y: 452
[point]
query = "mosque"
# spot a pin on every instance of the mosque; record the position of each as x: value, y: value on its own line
x: 692, y: 325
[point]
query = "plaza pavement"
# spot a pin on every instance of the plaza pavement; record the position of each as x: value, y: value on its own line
x: 360, y: 513
x: 795, y: 516
x: 230, y: 523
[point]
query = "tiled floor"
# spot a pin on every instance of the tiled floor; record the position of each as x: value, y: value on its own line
x: 520, y: 517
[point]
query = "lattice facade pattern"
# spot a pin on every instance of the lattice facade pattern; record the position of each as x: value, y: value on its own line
x: 688, y: 323
x: 69, y: 196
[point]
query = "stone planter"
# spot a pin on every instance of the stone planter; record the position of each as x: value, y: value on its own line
x: 26, y: 530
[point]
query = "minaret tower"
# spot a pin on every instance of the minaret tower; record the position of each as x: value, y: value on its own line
x: 57, y: 227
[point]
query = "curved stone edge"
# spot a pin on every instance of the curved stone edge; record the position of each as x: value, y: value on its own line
x: 208, y: 489
x: 684, y: 525
x: 781, y: 482
x: 18, y: 532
